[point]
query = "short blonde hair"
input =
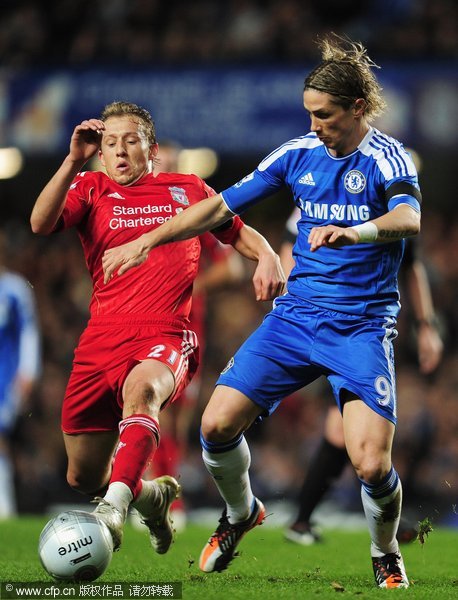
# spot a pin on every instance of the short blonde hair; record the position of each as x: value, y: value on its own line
x: 346, y: 73
x: 120, y: 109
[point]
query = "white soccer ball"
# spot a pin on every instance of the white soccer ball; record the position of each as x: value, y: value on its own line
x: 75, y: 546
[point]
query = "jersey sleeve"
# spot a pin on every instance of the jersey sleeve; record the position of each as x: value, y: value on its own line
x: 209, y: 191
x: 78, y: 200
x: 402, y: 187
x: 261, y: 183
x: 403, y: 192
x: 227, y: 232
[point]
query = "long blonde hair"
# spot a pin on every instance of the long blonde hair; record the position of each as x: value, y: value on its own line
x: 346, y: 73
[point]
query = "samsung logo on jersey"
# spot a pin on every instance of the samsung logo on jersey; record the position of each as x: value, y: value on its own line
x: 335, y: 212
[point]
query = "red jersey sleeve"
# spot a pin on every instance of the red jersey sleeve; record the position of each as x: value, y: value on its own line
x: 78, y: 200
x: 228, y: 232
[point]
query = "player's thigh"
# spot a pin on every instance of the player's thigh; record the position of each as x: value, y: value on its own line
x: 361, y: 361
x: 227, y: 414
x: 369, y: 440
x: 274, y: 361
x: 159, y: 368
x: 89, y: 457
x: 149, y: 384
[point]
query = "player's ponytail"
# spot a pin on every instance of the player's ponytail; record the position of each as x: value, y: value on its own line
x: 346, y: 73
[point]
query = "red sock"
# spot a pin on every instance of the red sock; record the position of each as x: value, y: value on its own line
x: 138, y: 441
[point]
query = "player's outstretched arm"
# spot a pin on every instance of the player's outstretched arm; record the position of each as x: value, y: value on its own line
x: 84, y: 143
x: 269, y: 279
x: 193, y: 221
x: 401, y: 222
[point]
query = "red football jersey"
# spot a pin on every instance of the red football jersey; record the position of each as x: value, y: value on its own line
x: 107, y: 214
x: 211, y: 252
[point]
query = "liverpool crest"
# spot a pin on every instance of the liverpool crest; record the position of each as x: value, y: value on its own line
x: 179, y: 195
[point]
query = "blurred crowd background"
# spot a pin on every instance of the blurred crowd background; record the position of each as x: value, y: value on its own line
x: 141, y: 31
x: 77, y: 35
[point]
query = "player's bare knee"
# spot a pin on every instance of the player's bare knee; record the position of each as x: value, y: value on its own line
x: 77, y: 482
x: 139, y: 391
x: 371, y: 470
x: 142, y: 397
x: 83, y: 484
x: 219, y: 429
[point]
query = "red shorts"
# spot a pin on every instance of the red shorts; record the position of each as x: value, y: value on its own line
x: 107, y: 351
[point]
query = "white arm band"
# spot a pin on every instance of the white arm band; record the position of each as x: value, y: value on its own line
x: 367, y: 232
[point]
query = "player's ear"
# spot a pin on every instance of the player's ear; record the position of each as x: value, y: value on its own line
x: 359, y: 107
x: 102, y: 160
x: 153, y: 150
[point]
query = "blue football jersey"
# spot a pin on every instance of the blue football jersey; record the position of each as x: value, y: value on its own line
x: 344, y: 191
x: 19, y: 338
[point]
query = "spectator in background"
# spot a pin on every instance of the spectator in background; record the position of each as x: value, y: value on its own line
x: 208, y: 31
x: 331, y: 458
x: 19, y: 365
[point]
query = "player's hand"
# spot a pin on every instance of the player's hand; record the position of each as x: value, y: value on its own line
x: 86, y: 139
x: 269, y: 279
x: 332, y: 237
x: 430, y: 348
x: 122, y: 258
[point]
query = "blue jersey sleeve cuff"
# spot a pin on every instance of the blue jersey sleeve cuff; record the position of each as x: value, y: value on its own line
x: 404, y: 199
x: 228, y: 204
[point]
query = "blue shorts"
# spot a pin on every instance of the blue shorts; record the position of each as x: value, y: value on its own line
x: 298, y: 342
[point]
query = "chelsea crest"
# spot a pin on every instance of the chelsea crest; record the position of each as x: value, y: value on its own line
x: 354, y: 182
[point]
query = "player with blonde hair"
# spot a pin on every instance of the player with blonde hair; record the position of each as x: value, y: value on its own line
x: 138, y: 352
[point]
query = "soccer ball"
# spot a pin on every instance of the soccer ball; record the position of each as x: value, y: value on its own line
x: 75, y: 546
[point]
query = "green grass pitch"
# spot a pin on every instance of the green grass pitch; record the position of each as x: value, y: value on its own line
x: 268, y: 567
